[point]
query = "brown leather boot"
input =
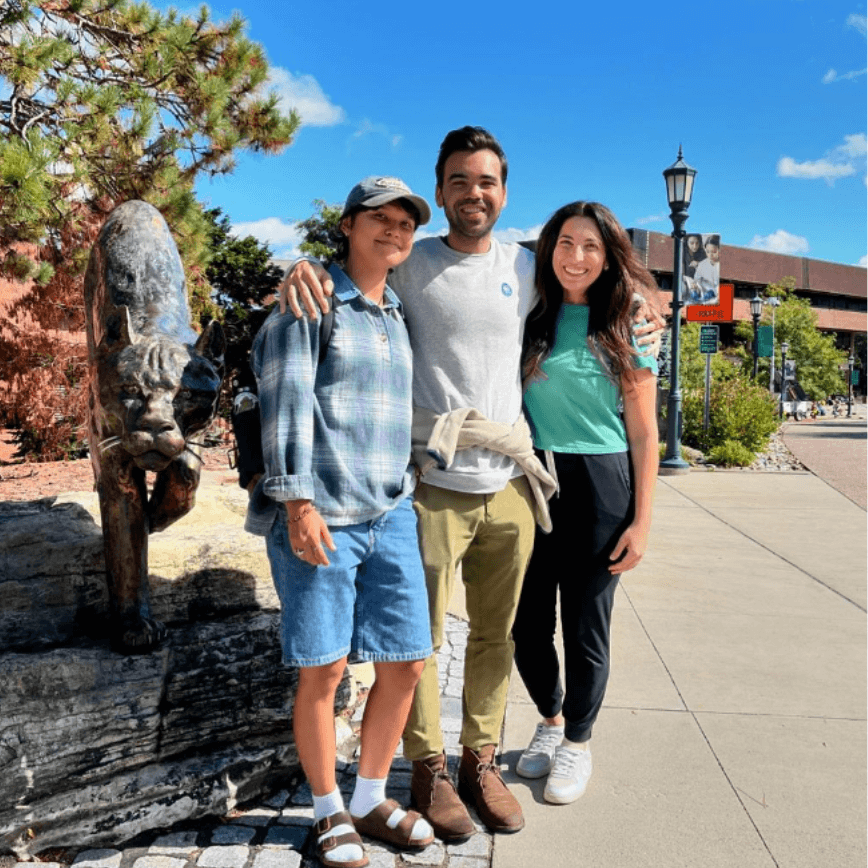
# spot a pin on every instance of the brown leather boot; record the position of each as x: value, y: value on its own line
x: 432, y: 793
x: 479, y: 783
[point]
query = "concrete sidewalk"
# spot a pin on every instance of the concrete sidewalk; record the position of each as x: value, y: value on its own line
x: 733, y: 732
x: 834, y: 449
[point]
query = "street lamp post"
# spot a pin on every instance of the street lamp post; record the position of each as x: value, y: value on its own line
x: 756, y: 308
x: 784, y: 347
x: 774, y: 302
x: 679, y: 191
x: 850, y: 362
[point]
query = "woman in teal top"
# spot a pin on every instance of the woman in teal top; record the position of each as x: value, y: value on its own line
x: 591, y: 403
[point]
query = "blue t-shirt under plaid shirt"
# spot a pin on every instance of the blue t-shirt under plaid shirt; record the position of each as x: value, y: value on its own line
x: 336, y: 433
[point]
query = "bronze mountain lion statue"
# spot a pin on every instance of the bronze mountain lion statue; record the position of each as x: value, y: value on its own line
x: 154, y: 384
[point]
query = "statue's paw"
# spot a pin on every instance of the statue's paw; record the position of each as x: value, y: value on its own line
x: 137, y: 635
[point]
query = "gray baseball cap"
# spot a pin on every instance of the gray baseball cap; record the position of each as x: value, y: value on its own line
x: 375, y: 191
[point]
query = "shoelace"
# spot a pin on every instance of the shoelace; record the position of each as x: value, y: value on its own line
x: 440, y: 774
x: 567, y: 762
x: 482, y: 769
x: 544, y: 741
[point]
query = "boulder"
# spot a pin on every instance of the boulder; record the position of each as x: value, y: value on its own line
x: 96, y: 747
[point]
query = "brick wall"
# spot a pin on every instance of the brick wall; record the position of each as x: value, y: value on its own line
x: 743, y: 265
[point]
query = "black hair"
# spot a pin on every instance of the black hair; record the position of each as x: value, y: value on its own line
x: 469, y: 139
x: 342, y: 251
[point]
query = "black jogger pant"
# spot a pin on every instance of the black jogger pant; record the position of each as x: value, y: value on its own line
x: 592, y: 509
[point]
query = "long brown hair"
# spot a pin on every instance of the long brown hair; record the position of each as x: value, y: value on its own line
x: 611, y: 298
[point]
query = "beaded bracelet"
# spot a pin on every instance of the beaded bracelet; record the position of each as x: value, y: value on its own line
x: 307, y: 511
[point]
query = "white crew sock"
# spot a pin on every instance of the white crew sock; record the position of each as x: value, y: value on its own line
x: 325, y: 806
x: 369, y: 793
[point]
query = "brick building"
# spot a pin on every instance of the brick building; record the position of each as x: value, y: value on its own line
x: 838, y: 293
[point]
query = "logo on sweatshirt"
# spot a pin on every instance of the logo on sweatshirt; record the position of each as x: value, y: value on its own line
x: 506, y: 289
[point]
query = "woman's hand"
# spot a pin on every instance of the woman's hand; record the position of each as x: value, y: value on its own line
x: 629, y: 549
x: 307, y: 533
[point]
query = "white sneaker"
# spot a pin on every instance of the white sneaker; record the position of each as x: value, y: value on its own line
x: 536, y: 759
x: 571, y: 771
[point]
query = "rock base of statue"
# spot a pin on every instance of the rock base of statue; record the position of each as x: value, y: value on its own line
x: 96, y: 747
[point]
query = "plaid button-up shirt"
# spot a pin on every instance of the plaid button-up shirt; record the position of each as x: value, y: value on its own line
x: 336, y: 433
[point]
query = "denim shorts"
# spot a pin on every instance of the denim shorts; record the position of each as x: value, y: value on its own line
x: 370, y: 603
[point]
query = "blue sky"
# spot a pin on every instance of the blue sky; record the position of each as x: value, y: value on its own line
x: 590, y: 101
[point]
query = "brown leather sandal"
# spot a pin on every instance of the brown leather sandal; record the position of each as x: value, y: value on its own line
x: 373, y: 824
x: 325, y: 845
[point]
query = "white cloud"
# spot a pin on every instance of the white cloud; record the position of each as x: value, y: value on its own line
x: 831, y: 75
x: 303, y: 93
x: 654, y: 218
x: 839, y: 162
x: 780, y: 242
x: 859, y: 22
x: 507, y: 235
x: 854, y: 146
x: 826, y: 169
x: 431, y: 230
x: 863, y: 261
x: 282, y: 238
x: 368, y: 127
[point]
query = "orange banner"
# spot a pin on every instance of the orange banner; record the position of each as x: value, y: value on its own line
x: 713, y: 313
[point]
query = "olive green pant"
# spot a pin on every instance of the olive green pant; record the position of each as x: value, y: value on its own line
x: 491, y: 537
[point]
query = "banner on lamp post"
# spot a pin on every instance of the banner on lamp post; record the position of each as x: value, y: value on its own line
x: 765, y: 342
x: 701, y: 269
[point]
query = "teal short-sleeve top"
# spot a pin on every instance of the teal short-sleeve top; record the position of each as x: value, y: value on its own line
x: 575, y: 408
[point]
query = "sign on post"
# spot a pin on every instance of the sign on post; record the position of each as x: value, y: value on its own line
x: 720, y: 312
x: 708, y: 338
x: 765, y: 342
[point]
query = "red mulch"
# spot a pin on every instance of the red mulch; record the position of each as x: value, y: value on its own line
x: 22, y: 480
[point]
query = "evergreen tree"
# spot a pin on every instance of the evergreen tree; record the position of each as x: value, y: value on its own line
x: 243, y: 282
x: 321, y: 233
x: 102, y: 101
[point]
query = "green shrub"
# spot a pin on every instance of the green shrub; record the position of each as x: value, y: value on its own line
x: 663, y: 446
x: 731, y: 453
x: 739, y: 411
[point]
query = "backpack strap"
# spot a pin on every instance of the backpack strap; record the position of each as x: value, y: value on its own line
x: 326, y: 324
x: 246, y: 421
